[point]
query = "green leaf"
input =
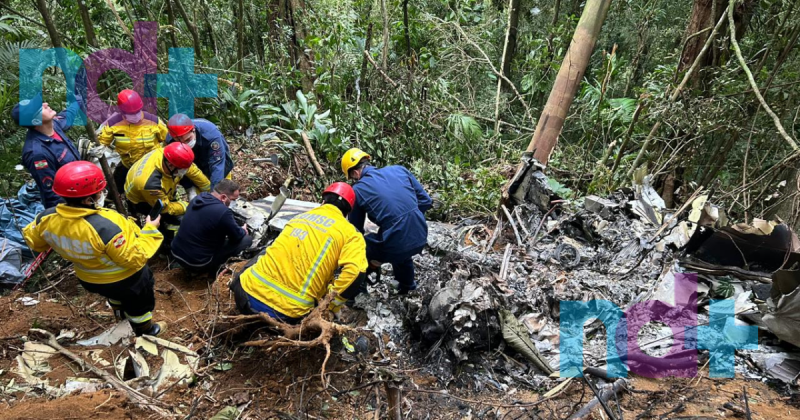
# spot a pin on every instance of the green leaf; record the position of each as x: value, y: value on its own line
x: 224, y: 366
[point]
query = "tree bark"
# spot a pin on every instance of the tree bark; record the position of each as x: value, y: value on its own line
x: 171, y: 20
x: 385, y: 51
x: 508, y: 53
x: 55, y: 39
x: 568, y: 80
x: 240, y: 42
x: 367, y: 45
x: 192, y: 28
x: 88, y: 26
x: 212, y: 39
x: 256, y: 30
x: 296, y: 8
x: 510, y: 46
x: 406, y: 31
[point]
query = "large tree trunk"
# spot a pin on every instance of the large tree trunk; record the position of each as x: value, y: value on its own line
x: 705, y: 13
x: 568, y: 80
x: 48, y: 22
x: 88, y: 26
x: 192, y: 28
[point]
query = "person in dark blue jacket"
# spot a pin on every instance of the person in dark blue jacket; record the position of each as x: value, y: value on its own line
x: 211, y: 152
x: 209, y: 234
x: 47, y: 147
x: 393, y: 199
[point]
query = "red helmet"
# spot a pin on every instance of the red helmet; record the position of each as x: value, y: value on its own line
x: 344, y: 190
x: 179, y: 155
x: 179, y: 124
x: 79, y: 179
x: 129, y: 101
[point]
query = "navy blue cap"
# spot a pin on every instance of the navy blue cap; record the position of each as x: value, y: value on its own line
x: 28, y: 112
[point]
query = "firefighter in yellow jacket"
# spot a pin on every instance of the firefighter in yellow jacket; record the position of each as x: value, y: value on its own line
x: 108, y: 251
x: 299, y: 268
x: 156, y: 177
x: 132, y: 132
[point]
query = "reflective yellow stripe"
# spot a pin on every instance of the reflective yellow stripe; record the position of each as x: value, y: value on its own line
x: 114, y: 302
x: 281, y: 290
x: 150, y: 232
x: 314, y: 267
x: 113, y: 270
x: 140, y: 319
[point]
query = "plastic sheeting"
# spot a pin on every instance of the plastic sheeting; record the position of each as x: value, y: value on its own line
x: 10, y: 263
x: 15, y: 214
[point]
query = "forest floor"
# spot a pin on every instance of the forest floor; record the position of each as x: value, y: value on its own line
x: 286, y: 383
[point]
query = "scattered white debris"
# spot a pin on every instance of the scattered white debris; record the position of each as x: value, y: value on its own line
x: 110, y: 337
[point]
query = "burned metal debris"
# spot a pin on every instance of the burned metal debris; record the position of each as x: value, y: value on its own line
x: 481, y: 285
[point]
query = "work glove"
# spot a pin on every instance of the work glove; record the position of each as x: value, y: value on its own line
x: 191, y: 192
x: 99, y: 151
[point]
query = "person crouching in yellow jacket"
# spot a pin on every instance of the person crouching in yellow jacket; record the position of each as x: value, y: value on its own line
x: 156, y: 176
x: 300, y: 267
x: 108, y: 251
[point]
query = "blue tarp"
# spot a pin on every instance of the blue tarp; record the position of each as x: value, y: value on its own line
x: 15, y: 214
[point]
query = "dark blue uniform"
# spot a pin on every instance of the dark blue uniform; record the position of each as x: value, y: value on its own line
x: 43, y: 155
x: 396, y: 202
x: 211, y: 152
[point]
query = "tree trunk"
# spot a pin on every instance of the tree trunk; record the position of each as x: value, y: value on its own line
x: 296, y: 8
x: 240, y: 42
x: 719, y: 159
x: 385, y: 51
x: 88, y: 26
x: 405, y: 30
x: 636, y: 62
x: 171, y: 20
x: 48, y: 22
x: 364, y: 62
x: 510, y: 46
x: 704, y: 14
x: 568, y: 80
x: 209, y: 28
x: 256, y: 30
x: 192, y: 28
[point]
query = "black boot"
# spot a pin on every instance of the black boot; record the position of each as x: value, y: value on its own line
x: 149, y: 328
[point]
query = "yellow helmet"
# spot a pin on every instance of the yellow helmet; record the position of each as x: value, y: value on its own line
x: 351, y: 159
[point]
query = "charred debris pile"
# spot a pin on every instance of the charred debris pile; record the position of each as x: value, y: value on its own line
x: 487, y: 311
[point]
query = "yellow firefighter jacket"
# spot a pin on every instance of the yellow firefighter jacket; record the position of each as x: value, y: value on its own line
x: 148, y: 181
x: 132, y: 141
x: 103, y: 245
x: 298, y: 268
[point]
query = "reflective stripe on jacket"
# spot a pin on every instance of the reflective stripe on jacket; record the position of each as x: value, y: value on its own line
x: 132, y: 141
x: 298, y: 268
x: 103, y: 245
x: 149, y: 181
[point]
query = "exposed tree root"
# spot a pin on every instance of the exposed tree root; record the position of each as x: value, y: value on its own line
x: 317, y: 324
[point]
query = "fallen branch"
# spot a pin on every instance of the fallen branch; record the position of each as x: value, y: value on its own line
x: 311, y: 154
x: 120, y: 21
x: 513, y: 224
x: 735, y: 45
x: 374, y: 64
x: 135, y: 396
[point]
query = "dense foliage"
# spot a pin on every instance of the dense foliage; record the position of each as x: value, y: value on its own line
x: 427, y: 97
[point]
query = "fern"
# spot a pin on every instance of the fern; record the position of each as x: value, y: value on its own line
x: 463, y: 127
x: 9, y: 58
